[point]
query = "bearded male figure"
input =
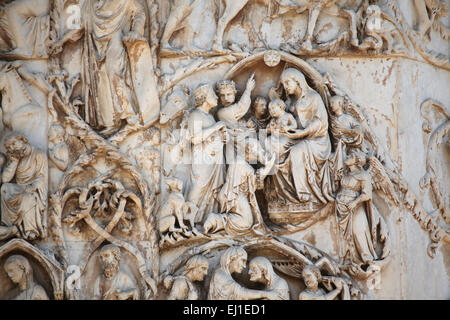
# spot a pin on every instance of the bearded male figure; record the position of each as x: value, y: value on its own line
x: 113, y: 283
x: 24, y: 190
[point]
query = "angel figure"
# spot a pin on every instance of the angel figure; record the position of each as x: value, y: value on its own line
x: 344, y: 126
x: 362, y: 228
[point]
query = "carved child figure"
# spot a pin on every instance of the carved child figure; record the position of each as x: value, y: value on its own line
x: 281, y: 123
x: 182, y: 287
x: 113, y: 283
x: 19, y: 271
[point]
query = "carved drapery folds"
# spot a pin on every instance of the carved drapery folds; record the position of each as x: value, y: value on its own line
x: 208, y: 149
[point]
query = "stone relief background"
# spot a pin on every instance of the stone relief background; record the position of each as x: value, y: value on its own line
x: 218, y: 149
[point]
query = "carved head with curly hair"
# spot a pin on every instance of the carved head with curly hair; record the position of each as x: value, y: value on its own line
x: 17, y: 145
x: 205, y: 97
x: 227, y: 92
x: 110, y: 260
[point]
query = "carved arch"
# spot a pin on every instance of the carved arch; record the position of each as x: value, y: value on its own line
x: 313, y: 77
x: 52, y: 268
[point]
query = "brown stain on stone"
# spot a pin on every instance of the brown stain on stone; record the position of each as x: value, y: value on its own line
x: 310, y: 238
x: 287, y: 24
x: 388, y: 74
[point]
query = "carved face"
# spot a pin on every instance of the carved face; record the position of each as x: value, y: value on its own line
x: 255, y: 273
x: 227, y: 96
x: 310, y: 279
x: 109, y: 263
x: 200, y: 272
x: 238, y: 264
x: 337, y: 106
x: 55, y: 136
x: 17, y: 147
x: 156, y: 138
x: 290, y: 86
x: 15, y: 272
x: 260, y: 108
x: 276, y: 110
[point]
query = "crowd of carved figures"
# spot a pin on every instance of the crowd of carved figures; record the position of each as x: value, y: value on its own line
x: 136, y: 161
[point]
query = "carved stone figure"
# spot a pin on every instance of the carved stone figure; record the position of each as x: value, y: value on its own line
x: 180, y: 10
x: 232, y: 8
x: 148, y: 159
x: 259, y: 117
x: 261, y: 270
x: 20, y: 111
x: 182, y: 287
x: 344, y: 9
x: 24, y: 190
x: 58, y: 153
x: 207, y: 138
x: 113, y: 283
x: 224, y: 287
x: 107, y: 71
x: 20, y: 273
x: 232, y: 114
x: 240, y: 211
x: 429, y: 12
x: 312, y: 276
x: 358, y: 218
x: 344, y: 127
x: 302, y: 178
x: 280, y: 124
x: 24, y: 29
x: 380, y: 34
x: 289, y: 132
x: 175, y: 108
x: 231, y: 111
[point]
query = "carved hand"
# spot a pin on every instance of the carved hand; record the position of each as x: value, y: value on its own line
x: 251, y: 82
x: 352, y: 205
x: 296, y: 134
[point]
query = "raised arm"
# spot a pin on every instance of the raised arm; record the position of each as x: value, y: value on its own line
x: 238, y: 110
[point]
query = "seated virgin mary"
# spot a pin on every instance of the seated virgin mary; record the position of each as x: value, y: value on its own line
x: 301, y: 184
